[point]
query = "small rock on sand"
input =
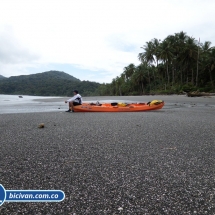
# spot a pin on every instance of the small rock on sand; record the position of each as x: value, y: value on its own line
x: 41, y: 125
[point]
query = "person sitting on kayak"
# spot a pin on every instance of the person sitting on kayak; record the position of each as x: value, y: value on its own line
x: 75, y: 100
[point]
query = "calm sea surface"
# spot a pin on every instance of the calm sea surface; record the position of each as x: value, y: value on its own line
x: 14, y: 104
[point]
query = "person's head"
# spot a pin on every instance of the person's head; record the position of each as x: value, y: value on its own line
x: 75, y: 92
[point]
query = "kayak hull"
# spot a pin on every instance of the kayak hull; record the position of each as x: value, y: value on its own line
x: 86, y: 107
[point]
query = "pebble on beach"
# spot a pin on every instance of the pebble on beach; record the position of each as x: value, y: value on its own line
x: 41, y: 125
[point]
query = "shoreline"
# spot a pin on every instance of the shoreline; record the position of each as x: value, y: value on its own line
x: 56, y: 104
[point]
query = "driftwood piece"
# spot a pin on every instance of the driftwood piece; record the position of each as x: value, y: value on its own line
x: 198, y: 94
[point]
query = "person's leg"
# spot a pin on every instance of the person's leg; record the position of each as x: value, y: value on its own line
x: 71, y: 106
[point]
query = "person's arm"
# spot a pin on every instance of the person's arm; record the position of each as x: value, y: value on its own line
x: 72, y: 99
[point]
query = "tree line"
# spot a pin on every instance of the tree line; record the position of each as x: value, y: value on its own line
x: 176, y: 64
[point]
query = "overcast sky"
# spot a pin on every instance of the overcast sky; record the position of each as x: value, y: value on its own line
x: 92, y: 39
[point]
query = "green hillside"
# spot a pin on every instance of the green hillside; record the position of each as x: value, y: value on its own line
x: 2, y: 77
x: 51, y: 83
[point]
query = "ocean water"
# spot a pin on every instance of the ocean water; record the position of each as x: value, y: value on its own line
x: 15, y: 98
x: 27, y: 104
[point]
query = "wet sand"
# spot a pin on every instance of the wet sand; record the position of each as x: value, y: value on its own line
x: 159, y: 162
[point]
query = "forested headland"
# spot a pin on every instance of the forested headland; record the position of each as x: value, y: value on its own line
x: 50, y: 83
x: 179, y: 63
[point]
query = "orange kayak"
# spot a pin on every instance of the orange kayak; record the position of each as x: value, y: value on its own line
x: 119, y: 107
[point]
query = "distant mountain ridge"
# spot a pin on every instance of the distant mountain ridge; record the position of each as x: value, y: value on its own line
x: 47, y: 74
x: 49, y: 83
x: 2, y: 77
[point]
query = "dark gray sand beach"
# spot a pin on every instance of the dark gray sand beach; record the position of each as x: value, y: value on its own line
x: 158, y: 162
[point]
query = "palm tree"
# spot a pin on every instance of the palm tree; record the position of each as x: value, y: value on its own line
x: 123, y: 77
x: 148, y: 55
x: 128, y: 71
x: 180, y: 41
x: 211, y: 64
x: 189, y: 57
x: 203, y: 51
x: 140, y: 77
x: 172, y: 40
x: 181, y: 36
x: 113, y: 86
x: 155, y: 51
x: 119, y: 82
x: 166, y: 55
